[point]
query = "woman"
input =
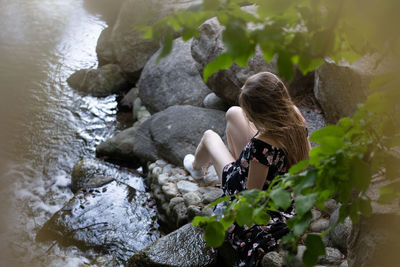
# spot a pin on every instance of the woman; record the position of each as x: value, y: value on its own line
x: 266, y: 135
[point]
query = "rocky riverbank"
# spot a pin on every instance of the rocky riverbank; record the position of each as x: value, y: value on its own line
x: 172, y: 107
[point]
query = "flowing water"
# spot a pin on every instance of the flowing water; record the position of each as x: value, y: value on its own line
x: 45, y: 126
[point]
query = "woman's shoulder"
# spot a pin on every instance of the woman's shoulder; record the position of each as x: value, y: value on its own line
x: 265, y: 141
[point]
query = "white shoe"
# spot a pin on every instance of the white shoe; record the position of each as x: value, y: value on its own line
x: 188, y: 165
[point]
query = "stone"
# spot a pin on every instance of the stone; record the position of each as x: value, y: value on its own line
x: 340, y: 87
x: 124, y: 227
x: 295, y: 261
x: 225, y: 83
x: 341, y: 232
x: 320, y: 225
x: 186, y: 187
x: 174, y: 201
x: 344, y: 264
x: 212, y: 195
x: 179, y: 214
x: 183, y: 247
x: 174, y: 80
x: 136, y: 108
x: 171, y: 142
x: 212, y: 101
x: 130, y: 50
x: 162, y: 178
x: 88, y: 169
x: 177, y: 177
x: 103, y: 81
x: 332, y: 257
x: 143, y: 145
x: 119, y: 148
x: 315, y: 121
x: 316, y: 214
x: 161, y: 163
x: 330, y: 206
x: 129, y: 98
x: 272, y: 259
x: 211, y: 176
x: 170, y: 190
x: 104, y: 48
x: 193, y: 211
x: 192, y: 198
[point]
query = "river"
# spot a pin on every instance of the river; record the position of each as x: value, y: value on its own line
x: 46, y: 127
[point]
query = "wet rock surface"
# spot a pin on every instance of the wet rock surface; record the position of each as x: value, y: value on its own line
x: 183, y: 247
x: 174, y: 80
x: 103, y: 81
x: 111, y: 217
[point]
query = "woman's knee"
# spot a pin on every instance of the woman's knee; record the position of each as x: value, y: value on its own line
x: 210, y: 136
x: 234, y: 114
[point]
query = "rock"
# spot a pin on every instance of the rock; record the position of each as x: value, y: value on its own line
x: 174, y: 80
x: 183, y: 247
x: 212, y: 101
x: 375, y: 241
x: 315, y: 121
x: 295, y: 261
x: 193, y: 211
x: 330, y: 206
x: 170, y: 190
x: 272, y: 259
x: 320, y: 225
x: 186, y: 187
x: 340, y: 233
x: 179, y: 214
x: 340, y: 87
x: 212, y: 195
x: 125, y: 224
x: 87, y: 169
x: 344, y: 264
x: 192, y: 198
x: 143, y: 145
x: 130, y: 50
x: 332, y: 257
x: 211, y: 176
x: 316, y: 214
x: 119, y: 148
x: 225, y: 83
x: 104, y: 81
x: 174, y: 201
x: 128, y: 100
x: 171, y: 142
x: 162, y: 178
x: 104, y: 48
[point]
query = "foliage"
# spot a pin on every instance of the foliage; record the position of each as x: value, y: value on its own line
x: 303, y: 33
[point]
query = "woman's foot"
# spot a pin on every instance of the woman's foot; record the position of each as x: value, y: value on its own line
x: 188, y: 165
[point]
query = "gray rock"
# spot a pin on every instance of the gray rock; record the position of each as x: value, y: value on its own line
x: 295, y: 261
x: 170, y: 190
x: 131, y: 51
x: 332, y: 257
x: 125, y: 224
x: 225, y: 83
x: 119, y: 148
x: 143, y: 145
x: 186, y: 187
x: 137, y: 104
x: 128, y: 100
x: 192, y: 198
x: 330, y: 206
x: 104, y: 81
x: 174, y: 201
x: 162, y: 178
x: 316, y: 214
x: 344, y: 264
x: 174, y: 80
x: 177, y: 130
x: 193, y: 211
x: 320, y: 225
x: 87, y: 170
x: 104, y: 48
x: 183, y: 247
x: 272, y: 259
x: 179, y: 215
x: 212, y: 101
x: 315, y: 121
x: 341, y: 232
x: 212, y: 195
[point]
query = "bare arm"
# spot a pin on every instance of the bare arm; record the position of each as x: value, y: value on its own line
x: 257, y: 175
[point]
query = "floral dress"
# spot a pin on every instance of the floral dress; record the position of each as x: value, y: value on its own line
x: 251, y: 243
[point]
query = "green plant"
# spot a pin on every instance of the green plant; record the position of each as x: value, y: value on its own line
x: 303, y: 33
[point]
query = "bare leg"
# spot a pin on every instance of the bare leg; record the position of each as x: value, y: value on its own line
x: 212, y: 149
x: 239, y: 130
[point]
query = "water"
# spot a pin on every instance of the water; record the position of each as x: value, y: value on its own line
x: 45, y: 126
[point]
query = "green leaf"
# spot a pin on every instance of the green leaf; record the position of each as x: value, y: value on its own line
x: 200, y: 221
x: 307, y: 180
x: 281, y: 198
x: 167, y: 44
x: 214, y: 234
x: 223, y: 61
x: 300, y: 166
x: 216, y: 202
x: 360, y: 174
x: 315, y: 248
x: 365, y: 207
x: 305, y: 203
x: 261, y: 217
x: 244, y: 215
x: 331, y: 130
x: 252, y: 195
x: 302, y: 224
x: 227, y: 220
x: 285, y: 66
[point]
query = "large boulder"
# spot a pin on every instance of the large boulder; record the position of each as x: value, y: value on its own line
x: 174, y: 80
x: 104, y: 81
x: 104, y: 48
x: 225, y: 83
x: 107, y: 216
x: 177, y: 130
x: 375, y: 241
x: 130, y: 51
x: 183, y: 247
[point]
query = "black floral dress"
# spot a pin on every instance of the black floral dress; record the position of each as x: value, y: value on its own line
x: 251, y: 243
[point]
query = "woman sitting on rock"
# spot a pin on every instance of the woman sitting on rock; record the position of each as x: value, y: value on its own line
x: 266, y: 135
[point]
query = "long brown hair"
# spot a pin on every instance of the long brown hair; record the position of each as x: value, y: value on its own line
x: 266, y: 103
